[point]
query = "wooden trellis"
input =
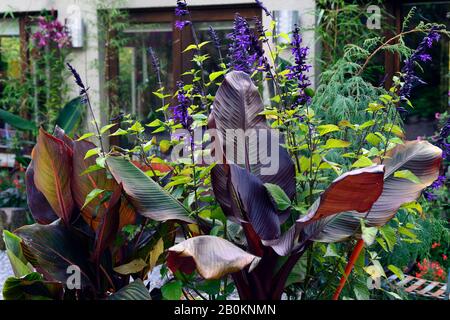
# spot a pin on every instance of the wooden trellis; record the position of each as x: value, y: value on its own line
x: 421, y: 287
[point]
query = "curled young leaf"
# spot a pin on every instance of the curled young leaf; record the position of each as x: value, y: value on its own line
x: 213, y: 257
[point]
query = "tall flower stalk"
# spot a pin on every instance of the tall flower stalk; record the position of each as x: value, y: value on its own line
x: 244, y: 51
x: 216, y: 42
x: 85, y: 98
x: 421, y: 54
x: 298, y: 71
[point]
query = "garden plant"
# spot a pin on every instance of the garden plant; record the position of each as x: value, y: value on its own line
x: 296, y: 195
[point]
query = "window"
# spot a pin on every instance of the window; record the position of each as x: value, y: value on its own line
x: 9, y: 65
x: 155, y: 28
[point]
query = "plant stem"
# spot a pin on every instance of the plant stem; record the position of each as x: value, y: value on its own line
x: 351, y: 262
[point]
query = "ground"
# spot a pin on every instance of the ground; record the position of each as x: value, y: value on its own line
x: 5, y: 270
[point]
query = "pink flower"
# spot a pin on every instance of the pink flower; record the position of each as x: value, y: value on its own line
x: 435, y: 245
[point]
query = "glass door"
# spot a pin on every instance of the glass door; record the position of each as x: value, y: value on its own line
x: 10, y: 66
x: 431, y: 98
x: 137, y: 76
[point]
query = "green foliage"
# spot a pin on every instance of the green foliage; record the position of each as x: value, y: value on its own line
x: 132, y: 199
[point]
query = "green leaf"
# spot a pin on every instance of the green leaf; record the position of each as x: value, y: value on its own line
x: 131, y: 267
x: 172, y: 290
x: 195, y: 47
x: 210, y: 286
x: 91, y: 152
x: 160, y: 129
x: 367, y: 124
x: 92, y: 168
x: 16, y: 121
x: 32, y: 287
x: 164, y: 146
x: 373, y: 139
x: 397, y: 271
x: 54, y: 248
x: 389, y: 234
x: 137, y: 127
x: 179, y: 180
x: 161, y: 95
x: 407, y: 174
x: 368, y: 234
x: 395, y: 129
x: 107, y: 127
x: 92, y: 195
x: 147, y: 196
x: 279, y: 196
x: 14, y: 251
x: 336, y: 143
x: 118, y: 132
x: 214, y: 75
x: 327, y: 128
x: 69, y: 117
x: 134, y: 291
x: 363, y: 161
x: 407, y: 232
x: 85, y: 136
x: 155, y: 123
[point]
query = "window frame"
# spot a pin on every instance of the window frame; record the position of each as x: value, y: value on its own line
x: 181, y: 38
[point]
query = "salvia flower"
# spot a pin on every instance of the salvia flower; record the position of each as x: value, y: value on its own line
x: 263, y: 63
x: 300, y: 68
x: 214, y: 37
x: 180, y: 111
x: 419, y: 55
x: 442, y: 140
x: 437, y: 184
x: 244, y: 50
x: 180, y: 24
x: 263, y: 7
x: 77, y: 78
x: 154, y: 59
x: 181, y: 10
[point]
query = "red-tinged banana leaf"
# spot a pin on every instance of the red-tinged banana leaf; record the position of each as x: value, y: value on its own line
x: 127, y: 213
x: 109, y: 226
x: 32, y: 287
x: 134, y: 291
x: 147, y: 196
x: 83, y: 184
x: 420, y: 157
x: 213, y: 257
x: 40, y: 209
x: 52, y: 248
x: 219, y: 181
x: 161, y: 167
x: 237, y: 106
x: 52, y: 161
x: 355, y: 190
x: 61, y: 135
x: 255, y: 203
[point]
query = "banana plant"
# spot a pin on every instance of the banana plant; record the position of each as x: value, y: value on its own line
x: 79, y: 214
x: 68, y: 119
x: 260, y: 266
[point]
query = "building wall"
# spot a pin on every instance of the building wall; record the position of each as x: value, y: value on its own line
x: 86, y: 59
